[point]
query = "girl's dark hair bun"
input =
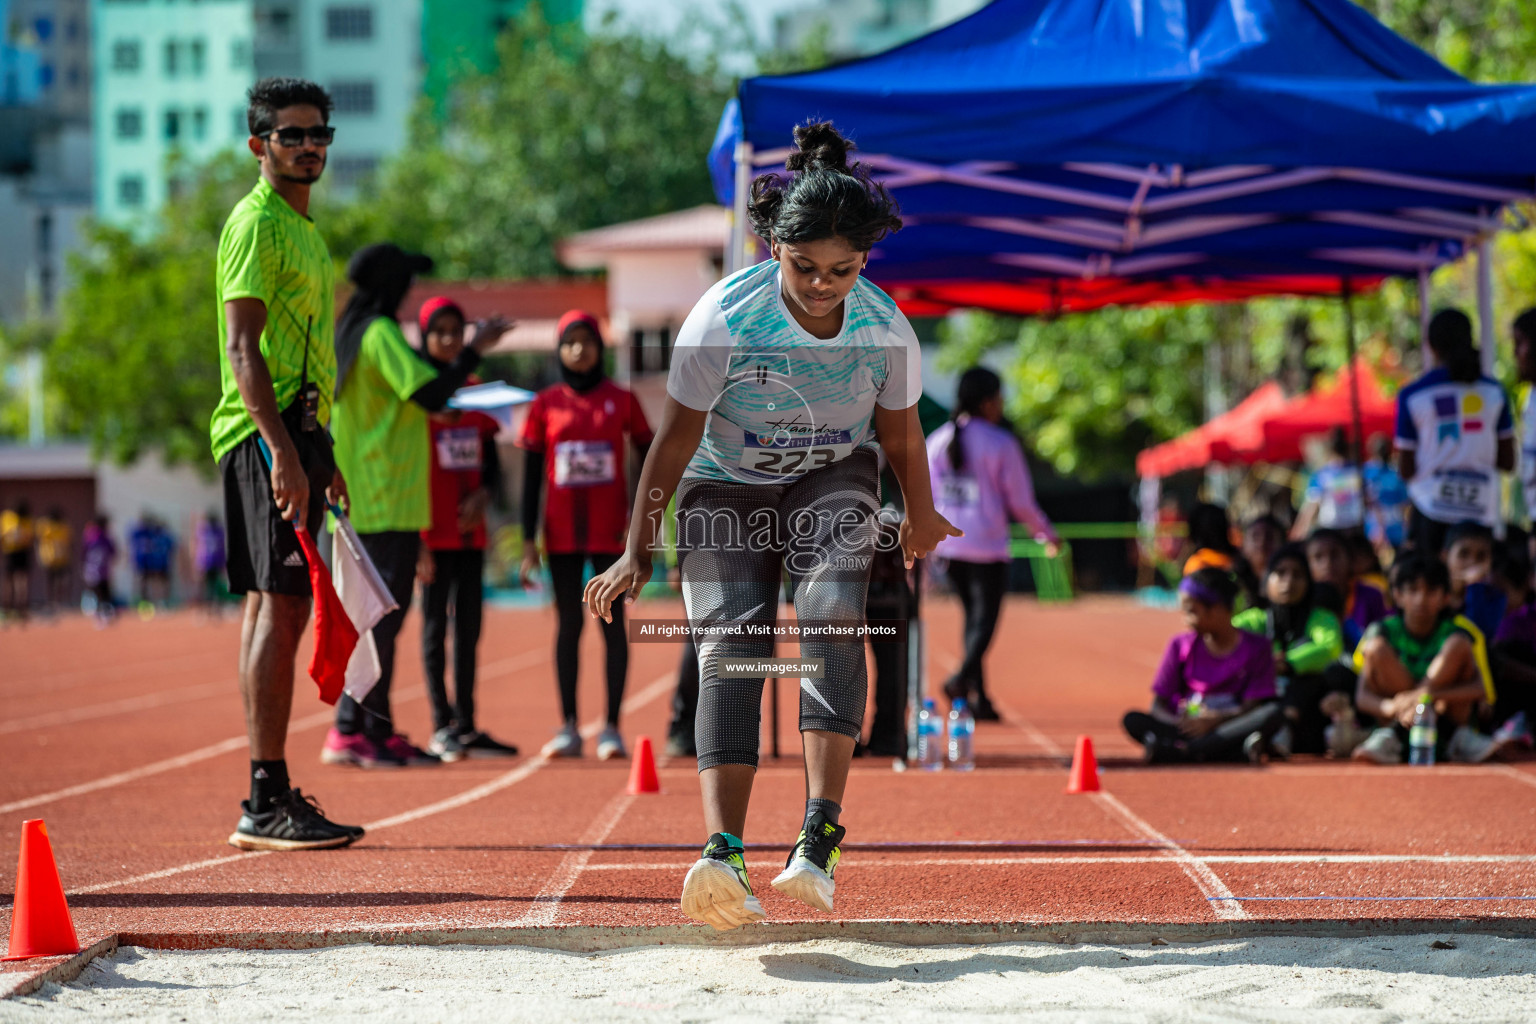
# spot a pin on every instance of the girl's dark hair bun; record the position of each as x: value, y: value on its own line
x: 823, y: 196
x: 819, y: 146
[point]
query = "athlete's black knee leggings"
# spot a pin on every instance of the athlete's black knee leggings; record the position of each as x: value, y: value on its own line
x: 457, y: 583
x: 980, y: 587
x: 565, y: 571
x: 736, y: 541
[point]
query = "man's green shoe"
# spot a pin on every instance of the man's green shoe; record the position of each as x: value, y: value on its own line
x: 807, y: 875
x: 717, y: 891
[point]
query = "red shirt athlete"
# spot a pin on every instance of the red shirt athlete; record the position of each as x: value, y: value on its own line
x: 574, y: 436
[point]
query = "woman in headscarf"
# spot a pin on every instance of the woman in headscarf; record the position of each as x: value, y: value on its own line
x: 384, y: 391
x: 574, y: 436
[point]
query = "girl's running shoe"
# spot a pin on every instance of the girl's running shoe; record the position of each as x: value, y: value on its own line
x: 610, y: 745
x: 478, y: 744
x: 358, y: 750
x: 407, y: 753
x: 446, y: 745
x: 567, y: 743
x: 716, y: 891
x: 807, y: 875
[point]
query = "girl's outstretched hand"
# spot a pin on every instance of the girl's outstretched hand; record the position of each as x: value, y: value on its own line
x: 624, y: 577
x: 921, y: 533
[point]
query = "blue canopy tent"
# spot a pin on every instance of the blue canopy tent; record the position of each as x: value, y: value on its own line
x: 1057, y: 155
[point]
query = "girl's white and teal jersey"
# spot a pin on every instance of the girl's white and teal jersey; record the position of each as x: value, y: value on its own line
x: 1454, y: 429
x: 781, y: 401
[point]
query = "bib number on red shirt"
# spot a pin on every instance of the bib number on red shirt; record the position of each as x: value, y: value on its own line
x: 585, y: 464
x: 777, y: 456
x: 458, y: 448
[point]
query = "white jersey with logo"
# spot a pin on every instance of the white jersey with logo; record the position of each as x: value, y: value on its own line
x: 781, y: 401
x: 1454, y: 428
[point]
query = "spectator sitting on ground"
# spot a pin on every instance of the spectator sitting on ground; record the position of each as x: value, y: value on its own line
x: 1426, y: 652
x: 1365, y: 564
x: 1210, y: 546
x: 1307, y: 641
x: 1360, y: 603
x: 1262, y: 537
x: 1213, y: 698
x: 1468, y: 557
x: 1513, y: 649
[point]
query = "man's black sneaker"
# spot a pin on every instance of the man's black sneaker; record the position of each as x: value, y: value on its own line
x: 807, y: 874
x: 717, y: 891
x: 294, y: 822
x: 478, y: 744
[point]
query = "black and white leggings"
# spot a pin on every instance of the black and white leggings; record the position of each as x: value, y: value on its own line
x: 736, y: 541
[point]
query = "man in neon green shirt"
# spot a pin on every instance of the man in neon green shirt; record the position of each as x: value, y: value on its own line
x: 275, y: 289
x: 384, y: 390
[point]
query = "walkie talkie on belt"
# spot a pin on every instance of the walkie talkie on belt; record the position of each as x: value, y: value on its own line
x: 309, y: 391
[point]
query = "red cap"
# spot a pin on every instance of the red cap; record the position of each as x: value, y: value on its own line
x: 433, y: 306
x: 574, y: 317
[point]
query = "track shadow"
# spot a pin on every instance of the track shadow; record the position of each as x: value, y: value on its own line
x: 328, y: 899
x: 1171, y: 962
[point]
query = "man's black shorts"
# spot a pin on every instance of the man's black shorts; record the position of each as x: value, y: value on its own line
x: 264, y: 552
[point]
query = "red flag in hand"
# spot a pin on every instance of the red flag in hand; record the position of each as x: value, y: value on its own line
x: 335, y: 635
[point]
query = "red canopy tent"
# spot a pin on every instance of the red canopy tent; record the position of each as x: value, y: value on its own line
x: 1268, y: 427
x: 1210, y: 442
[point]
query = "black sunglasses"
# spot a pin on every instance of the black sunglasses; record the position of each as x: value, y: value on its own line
x: 319, y: 135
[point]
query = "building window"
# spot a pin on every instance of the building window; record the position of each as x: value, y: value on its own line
x: 274, y: 24
x: 353, y: 97
x: 130, y: 190
x: 172, y: 125
x: 172, y: 56
x: 350, y: 171
x: 240, y: 54
x: 348, y: 23
x: 651, y: 350
x: 200, y: 123
x: 130, y: 123
x: 198, y: 53
x: 125, y: 55
x: 44, y: 29
x: 45, y: 75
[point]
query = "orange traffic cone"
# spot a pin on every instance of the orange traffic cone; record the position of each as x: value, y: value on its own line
x: 40, y: 924
x: 642, y: 772
x: 1085, y: 769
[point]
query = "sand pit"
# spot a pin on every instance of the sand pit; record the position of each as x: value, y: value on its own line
x: 1285, y: 979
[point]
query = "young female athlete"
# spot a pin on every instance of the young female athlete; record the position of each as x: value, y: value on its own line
x: 574, y: 436
x: 784, y: 378
x: 978, y: 468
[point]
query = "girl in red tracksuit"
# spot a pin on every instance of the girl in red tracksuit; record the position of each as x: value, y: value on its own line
x: 575, y: 438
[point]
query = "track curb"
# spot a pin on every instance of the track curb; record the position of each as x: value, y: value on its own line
x: 593, y: 938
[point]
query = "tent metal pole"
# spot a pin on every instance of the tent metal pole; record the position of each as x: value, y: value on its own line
x: 1487, y: 340
x: 1424, y: 353
x: 736, y: 258
x: 1357, y: 441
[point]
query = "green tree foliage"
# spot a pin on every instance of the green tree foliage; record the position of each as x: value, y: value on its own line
x: 570, y: 132
x: 135, y: 361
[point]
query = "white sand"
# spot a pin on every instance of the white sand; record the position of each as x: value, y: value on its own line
x: 1311, y: 980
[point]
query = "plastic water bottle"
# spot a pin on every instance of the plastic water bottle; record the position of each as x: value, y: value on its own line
x: 930, y: 754
x: 962, y: 730
x: 1422, y: 735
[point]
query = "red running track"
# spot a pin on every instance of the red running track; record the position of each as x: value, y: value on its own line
x: 129, y: 742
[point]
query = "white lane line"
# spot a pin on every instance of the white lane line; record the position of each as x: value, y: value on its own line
x: 1512, y: 772
x: 660, y: 686
x: 525, y: 660
x: 1207, y: 881
x: 546, y: 907
x: 49, y: 682
x: 1070, y: 860
x: 118, y: 707
x: 169, y: 764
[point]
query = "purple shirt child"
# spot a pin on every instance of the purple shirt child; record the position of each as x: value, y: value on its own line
x: 1224, y: 684
x: 992, y: 485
